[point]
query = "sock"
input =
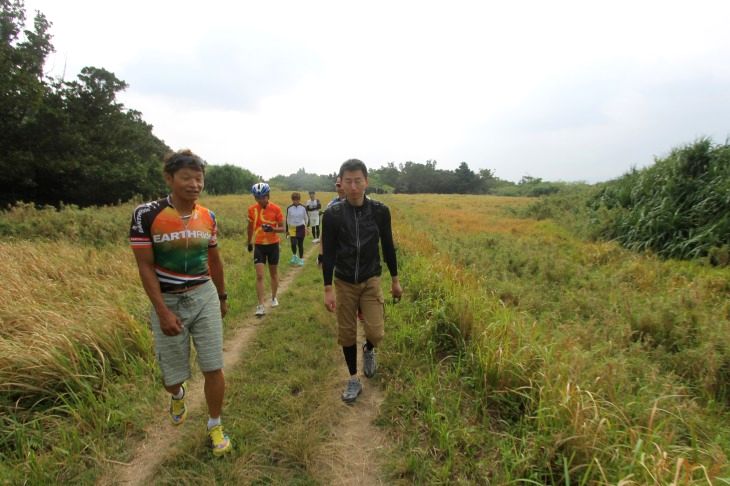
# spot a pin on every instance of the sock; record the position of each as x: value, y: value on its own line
x: 212, y: 422
x: 369, y: 346
x: 180, y: 394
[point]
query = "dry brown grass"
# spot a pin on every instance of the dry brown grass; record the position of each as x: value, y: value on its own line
x: 62, y: 308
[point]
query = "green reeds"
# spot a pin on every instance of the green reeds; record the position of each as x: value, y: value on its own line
x: 677, y: 208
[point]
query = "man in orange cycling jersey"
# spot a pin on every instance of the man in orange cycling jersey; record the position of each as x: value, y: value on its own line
x: 265, y: 220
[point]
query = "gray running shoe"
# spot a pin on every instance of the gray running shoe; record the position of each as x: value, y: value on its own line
x: 369, y: 363
x: 352, y: 391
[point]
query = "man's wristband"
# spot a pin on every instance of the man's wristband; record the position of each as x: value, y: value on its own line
x: 223, y: 296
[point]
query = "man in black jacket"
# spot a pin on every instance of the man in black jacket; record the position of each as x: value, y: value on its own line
x: 351, y: 232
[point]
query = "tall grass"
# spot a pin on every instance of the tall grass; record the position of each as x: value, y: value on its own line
x: 678, y: 208
x: 87, y: 226
x: 71, y: 335
x: 526, y: 355
x: 94, y: 226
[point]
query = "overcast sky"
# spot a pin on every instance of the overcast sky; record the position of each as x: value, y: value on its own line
x: 561, y: 90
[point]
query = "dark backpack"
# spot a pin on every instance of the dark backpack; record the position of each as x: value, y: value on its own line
x: 379, y: 211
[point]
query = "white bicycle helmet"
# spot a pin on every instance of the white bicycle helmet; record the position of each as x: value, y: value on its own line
x: 260, y: 189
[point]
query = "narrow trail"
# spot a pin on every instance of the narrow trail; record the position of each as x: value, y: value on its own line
x: 155, y: 448
x: 356, y: 447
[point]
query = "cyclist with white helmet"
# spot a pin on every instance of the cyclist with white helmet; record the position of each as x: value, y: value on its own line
x: 265, y: 221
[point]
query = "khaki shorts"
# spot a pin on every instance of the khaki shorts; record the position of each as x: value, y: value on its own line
x: 368, y: 296
x: 199, y: 309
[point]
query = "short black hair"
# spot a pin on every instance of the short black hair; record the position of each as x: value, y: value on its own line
x: 353, y: 165
x: 183, y: 159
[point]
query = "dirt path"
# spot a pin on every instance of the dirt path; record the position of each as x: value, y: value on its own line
x: 155, y: 448
x: 354, y: 453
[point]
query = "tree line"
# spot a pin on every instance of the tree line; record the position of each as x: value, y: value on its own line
x: 415, y: 178
x: 66, y: 141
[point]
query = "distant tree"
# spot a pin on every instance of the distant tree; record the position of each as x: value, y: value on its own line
x: 418, y: 178
x: 229, y: 179
x: 22, y: 90
x: 526, y: 180
x: 70, y: 142
x: 465, y: 180
x: 303, y: 181
x: 90, y: 149
x: 376, y: 185
x: 487, y: 181
x: 21, y: 67
x: 412, y: 177
x: 386, y: 176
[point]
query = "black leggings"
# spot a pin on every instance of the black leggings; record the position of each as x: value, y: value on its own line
x: 297, y: 242
x: 315, y: 232
x: 350, y: 353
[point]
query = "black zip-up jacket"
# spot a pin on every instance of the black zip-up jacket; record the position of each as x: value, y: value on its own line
x: 350, y: 237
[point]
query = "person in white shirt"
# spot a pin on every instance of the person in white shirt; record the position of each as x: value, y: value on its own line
x: 313, y: 207
x: 296, y: 228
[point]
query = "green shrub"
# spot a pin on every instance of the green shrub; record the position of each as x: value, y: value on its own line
x: 678, y: 208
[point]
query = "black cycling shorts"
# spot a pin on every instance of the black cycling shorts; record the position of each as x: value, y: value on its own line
x: 266, y: 254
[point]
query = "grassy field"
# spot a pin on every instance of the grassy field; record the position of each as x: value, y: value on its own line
x: 527, y: 355
x: 519, y: 354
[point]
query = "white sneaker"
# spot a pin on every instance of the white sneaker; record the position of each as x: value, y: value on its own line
x: 260, y: 311
x: 316, y: 240
x: 274, y: 302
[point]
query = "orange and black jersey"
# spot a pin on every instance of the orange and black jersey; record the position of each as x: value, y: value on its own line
x: 180, y: 245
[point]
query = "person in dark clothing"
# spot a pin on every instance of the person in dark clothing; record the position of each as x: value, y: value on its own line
x: 352, y: 233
